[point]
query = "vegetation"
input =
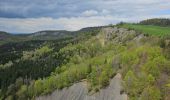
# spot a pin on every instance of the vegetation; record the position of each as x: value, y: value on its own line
x: 142, y: 70
x: 46, y: 35
x: 32, y: 60
x: 95, y: 56
x: 31, y: 65
x: 156, y: 21
x: 149, y: 29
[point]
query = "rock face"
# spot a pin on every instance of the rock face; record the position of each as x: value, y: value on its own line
x: 79, y: 92
x: 120, y: 35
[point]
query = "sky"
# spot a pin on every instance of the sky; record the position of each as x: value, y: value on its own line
x: 27, y: 16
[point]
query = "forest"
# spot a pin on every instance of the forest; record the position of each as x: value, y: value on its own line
x: 156, y: 21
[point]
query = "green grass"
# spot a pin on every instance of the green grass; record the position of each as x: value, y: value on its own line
x: 149, y: 29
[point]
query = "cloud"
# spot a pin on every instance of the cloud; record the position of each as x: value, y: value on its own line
x: 36, y: 24
x: 89, y: 13
x: 75, y: 8
x: 102, y: 12
x: 29, y: 25
x: 30, y: 16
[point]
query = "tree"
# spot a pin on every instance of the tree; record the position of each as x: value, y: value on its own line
x: 22, y: 93
x: 89, y: 69
x: 19, y: 82
x: 38, y: 87
x: 151, y: 93
x: 151, y: 79
x: 104, y: 79
x: 151, y: 67
x: 131, y: 83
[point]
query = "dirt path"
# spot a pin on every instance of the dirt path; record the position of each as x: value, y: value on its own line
x: 79, y: 92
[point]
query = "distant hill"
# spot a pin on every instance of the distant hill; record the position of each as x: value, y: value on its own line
x: 156, y: 21
x: 7, y: 37
x: 51, y: 34
x: 46, y: 35
x: 4, y: 35
x: 56, y: 34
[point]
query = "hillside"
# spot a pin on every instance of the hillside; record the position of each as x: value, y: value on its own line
x: 6, y: 37
x: 3, y: 35
x: 128, y: 61
x: 143, y: 66
x: 84, y: 49
x: 29, y: 60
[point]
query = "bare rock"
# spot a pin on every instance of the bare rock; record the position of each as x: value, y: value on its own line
x: 79, y: 92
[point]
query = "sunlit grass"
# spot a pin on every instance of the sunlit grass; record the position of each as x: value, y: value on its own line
x: 149, y: 29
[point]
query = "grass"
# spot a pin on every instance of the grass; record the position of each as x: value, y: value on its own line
x: 149, y: 29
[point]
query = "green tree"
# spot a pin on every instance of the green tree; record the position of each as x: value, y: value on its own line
x: 151, y: 68
x: 151, y: 79
x: 22, y: 93
x: 131, y: 83
x: 38, y: 87
x: 151, y: 93
x: 104, y: 79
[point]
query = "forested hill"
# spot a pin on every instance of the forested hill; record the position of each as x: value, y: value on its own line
x: 2, y: 33
x: 156, y: 21
x: 51, y: 34
x: 90, y: 60
x: 46, y: 35
x: 7, y: 37
x: 22, y: 62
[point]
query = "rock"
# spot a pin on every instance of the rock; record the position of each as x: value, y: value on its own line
x: 79, y: 92
x: 119, y: 35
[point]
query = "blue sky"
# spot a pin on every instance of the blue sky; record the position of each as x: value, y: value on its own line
x: 25, y: 16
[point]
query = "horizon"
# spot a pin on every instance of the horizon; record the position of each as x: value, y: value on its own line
x: 72, y: 15
x: 15, y: 33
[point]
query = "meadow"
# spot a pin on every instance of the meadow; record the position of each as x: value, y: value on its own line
x: 149, y: 29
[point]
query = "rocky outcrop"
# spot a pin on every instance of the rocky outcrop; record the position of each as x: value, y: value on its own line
x: 120, y: 35
x: 79, y: 91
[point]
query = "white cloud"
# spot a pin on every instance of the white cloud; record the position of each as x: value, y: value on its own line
x: 76, y: 14
x: 88, y: 13
x: 36, y: 24
x: 105, y: 12
x: 74, y: 23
